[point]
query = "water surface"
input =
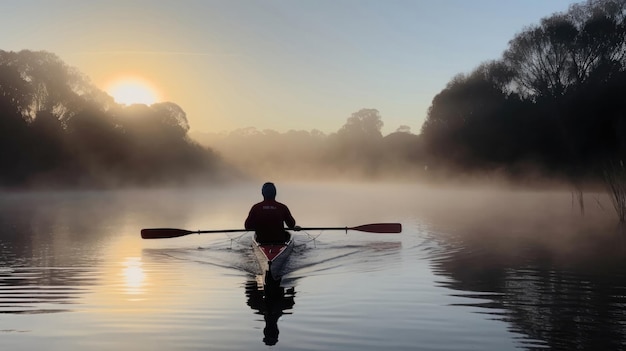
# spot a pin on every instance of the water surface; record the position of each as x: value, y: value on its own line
x: 472, y: 270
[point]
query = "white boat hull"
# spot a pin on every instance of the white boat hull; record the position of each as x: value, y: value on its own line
x: 272, y: 258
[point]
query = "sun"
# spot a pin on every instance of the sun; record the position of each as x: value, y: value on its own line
x: 132, y: 90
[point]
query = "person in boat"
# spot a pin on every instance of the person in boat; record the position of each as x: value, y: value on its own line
x: 269, y: 217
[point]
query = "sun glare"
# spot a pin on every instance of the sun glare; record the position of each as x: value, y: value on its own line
x: 128, y: 91
x: 134, y: 276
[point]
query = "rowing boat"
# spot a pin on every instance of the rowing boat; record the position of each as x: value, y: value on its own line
x: 272, y: 257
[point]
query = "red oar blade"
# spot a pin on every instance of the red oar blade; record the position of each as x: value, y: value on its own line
x: 379, y: 228
x: 163, y: 233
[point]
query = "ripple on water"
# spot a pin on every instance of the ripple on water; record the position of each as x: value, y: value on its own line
x: 33, y: 290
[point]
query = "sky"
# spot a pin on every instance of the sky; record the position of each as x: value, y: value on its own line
x: 276, y: 64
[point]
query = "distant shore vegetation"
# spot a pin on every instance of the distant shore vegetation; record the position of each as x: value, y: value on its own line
x: 552, y: 107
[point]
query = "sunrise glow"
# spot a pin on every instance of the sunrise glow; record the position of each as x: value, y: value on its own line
x: 132, y: 90
x: 134, y: 275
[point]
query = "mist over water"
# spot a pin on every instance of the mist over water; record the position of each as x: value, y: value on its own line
x: 474, y: 269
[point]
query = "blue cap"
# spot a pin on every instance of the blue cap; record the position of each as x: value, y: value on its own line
x: 269, y: 190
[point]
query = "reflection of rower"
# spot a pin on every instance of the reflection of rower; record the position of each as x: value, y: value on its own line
x: 271, y: 301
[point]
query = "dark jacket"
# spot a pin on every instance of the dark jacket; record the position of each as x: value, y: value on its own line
x: 268, y: 219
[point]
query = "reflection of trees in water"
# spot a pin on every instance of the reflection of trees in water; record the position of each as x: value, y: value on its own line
x: 568, y: 299
x: 47, y: 229
x: 271, y: 301
x: 40, y: 273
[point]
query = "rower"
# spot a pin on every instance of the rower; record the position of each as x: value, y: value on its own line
x: 269, y: 217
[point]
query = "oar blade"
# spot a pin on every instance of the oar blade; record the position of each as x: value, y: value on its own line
x: 384, y: 228
x: 163, y: 233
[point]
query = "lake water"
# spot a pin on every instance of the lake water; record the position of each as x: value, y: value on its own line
x: 472, y: 270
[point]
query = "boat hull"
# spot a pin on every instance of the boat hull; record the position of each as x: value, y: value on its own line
x: 272, y: 258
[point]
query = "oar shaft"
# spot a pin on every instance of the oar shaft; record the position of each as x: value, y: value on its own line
x: 389, y: 228
x: 163, y: 233
x: 321, y: 228
x: 220, y: 231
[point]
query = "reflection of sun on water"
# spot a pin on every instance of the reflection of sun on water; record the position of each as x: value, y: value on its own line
x: 134, y: 276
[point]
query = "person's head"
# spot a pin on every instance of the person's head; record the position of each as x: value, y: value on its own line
x: 269, y: 191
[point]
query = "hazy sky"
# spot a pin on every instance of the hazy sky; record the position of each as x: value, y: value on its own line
x: 279, y: 64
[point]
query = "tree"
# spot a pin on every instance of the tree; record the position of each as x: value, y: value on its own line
x: 363, y: 124
x: 14, y: 89
x: 555, y: 98
x: 472, y: 122
x: 57, y: 128
x: 172, y: 118
x: 565, y: 50
x: 358, y: 143
x: 51, y: 84
x: 540, y: 57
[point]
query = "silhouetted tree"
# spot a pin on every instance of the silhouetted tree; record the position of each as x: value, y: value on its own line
x: 13, y: 128
x: 553, y: 100
x: 540, y: 58
x: 474, y: 122
x: 52, y: 85
x: 172, y: 118
x: 58, y: 129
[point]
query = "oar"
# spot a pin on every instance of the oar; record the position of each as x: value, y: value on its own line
x: 163, y: 233
x: 383, y: 228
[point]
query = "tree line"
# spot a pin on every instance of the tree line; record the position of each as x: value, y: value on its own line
x: 552, y: 104
x: 555, y: 100
x: 57, y: 129
x: 357, y: 150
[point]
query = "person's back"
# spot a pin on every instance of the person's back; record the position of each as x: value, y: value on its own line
x: 269, y: 217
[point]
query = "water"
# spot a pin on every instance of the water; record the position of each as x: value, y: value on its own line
x: 472, y: 270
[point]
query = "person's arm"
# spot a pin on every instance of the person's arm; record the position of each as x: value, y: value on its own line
x: 250, y: 223
x: 289, y: 220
